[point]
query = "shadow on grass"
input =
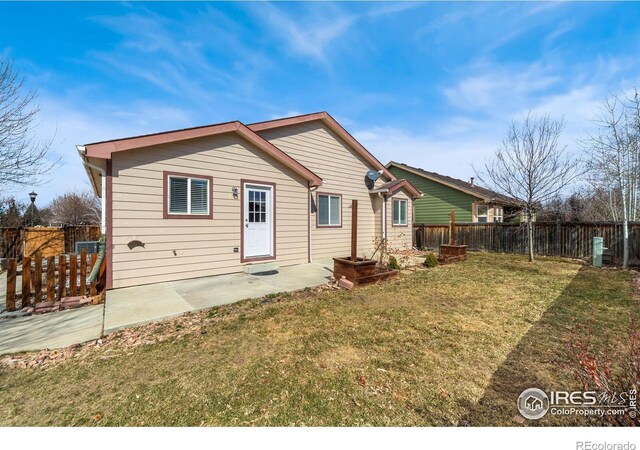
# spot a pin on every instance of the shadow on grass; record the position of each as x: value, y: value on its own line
x: 599, y: 300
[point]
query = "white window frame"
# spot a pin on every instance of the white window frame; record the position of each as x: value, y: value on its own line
x: 400, y: 222
x: 189, y: 179
x: 329, y: 224
x: 498, y: 214
x: 486, y: 215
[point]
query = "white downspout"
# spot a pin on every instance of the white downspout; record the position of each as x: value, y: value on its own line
x: 383, y: 213
x: 103, y: 214
x: 311, y: 190
x: 103, y: 179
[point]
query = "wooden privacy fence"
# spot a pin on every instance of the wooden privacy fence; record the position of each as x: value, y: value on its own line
x: 11, y: 240
x: 549, y: 238
x: 51, y: 279
x: 49, y: 241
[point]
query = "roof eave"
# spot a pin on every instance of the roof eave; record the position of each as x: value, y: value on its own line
x: 436, y: 180
x: 105, y: 150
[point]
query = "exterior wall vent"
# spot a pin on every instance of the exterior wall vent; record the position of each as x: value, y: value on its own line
x: 89, y: 246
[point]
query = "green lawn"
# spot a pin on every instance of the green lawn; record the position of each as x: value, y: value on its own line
x: 445, y: 346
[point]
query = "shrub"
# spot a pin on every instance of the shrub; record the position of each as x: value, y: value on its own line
x: 609, y: 372
x: 393, y: 263
x: 430, y: 260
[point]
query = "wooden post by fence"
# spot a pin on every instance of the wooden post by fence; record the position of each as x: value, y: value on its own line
x: 62, y: 276
x: 354, y: 230
x: 12, y: 273
x: 37, y: 279
x: 51, y: 278
x: 452, y: 228
x: 73, y: 274
x: 83, y: 272
x: 26, y: 282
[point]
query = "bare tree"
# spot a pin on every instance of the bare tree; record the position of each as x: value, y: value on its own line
x: 12, y: 212
x: 73, y: 208
x: 531, y: 166
x: 23, y: 159
x: 614, y: 161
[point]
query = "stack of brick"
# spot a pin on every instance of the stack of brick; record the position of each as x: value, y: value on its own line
x: 65, y: 303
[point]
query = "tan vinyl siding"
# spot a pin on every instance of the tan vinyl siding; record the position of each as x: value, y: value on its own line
x: 399, y: 237
x: 204, y: 246
x: 342, y: 170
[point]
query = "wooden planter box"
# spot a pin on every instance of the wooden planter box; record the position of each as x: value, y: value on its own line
x: 361, y: 271
x: 452, y: 253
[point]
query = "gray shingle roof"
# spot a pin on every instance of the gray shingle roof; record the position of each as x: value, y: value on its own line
x: 484, y: 193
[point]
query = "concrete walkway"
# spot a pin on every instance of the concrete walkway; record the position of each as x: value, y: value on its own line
x: 129, y: 307
x: 55, y: 330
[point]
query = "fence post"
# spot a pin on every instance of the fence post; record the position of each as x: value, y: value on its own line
x: 73, y: 274
x: 83, y: 272
x: 51, y: 278
x: 62, y: 276
x: 37, y: 279
x: 26, y: 282
x: 12, y: 270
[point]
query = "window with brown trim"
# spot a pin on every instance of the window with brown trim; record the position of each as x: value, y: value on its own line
x: 400, y: 212
x: 187, y: 196
x: 329, y: 210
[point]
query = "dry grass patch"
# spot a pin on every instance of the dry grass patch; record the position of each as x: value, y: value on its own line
x: 450, y: 345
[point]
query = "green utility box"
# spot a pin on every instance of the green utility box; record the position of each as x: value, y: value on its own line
x: 598, y: 249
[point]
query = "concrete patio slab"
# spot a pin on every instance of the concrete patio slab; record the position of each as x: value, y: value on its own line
x: 208, y: 292
x: 54, y: 330
x: 139, y: 305
x: 224, y: 289
x: 130, y: 307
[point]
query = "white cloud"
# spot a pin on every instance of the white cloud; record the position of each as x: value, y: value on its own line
x: 486, y: 99
x: 313, y: 34
x: 493, y: 86
x: 446, y: 153
x: 309, y: 35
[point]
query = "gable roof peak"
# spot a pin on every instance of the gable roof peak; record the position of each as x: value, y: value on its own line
x: 332, y: 124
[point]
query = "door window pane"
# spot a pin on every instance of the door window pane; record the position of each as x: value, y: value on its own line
x: 257, y: 206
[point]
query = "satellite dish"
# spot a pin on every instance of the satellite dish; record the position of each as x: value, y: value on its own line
x: 373, y: 175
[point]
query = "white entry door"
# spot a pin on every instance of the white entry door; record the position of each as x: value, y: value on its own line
x: 258, y: 221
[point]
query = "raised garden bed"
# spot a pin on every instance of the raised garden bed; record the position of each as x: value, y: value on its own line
x: 361, y: 271
x: 450, y: 253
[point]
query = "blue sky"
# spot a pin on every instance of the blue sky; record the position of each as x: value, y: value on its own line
x: 429, y: 84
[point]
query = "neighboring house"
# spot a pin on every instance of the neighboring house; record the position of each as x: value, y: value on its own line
x: 209, y: 200
x: 442, y: 194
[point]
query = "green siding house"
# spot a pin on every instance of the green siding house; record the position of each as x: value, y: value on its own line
x: 442, y: 194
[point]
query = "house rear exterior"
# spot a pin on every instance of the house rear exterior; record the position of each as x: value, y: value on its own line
x: 210, y: 200
x: 443, y: 194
